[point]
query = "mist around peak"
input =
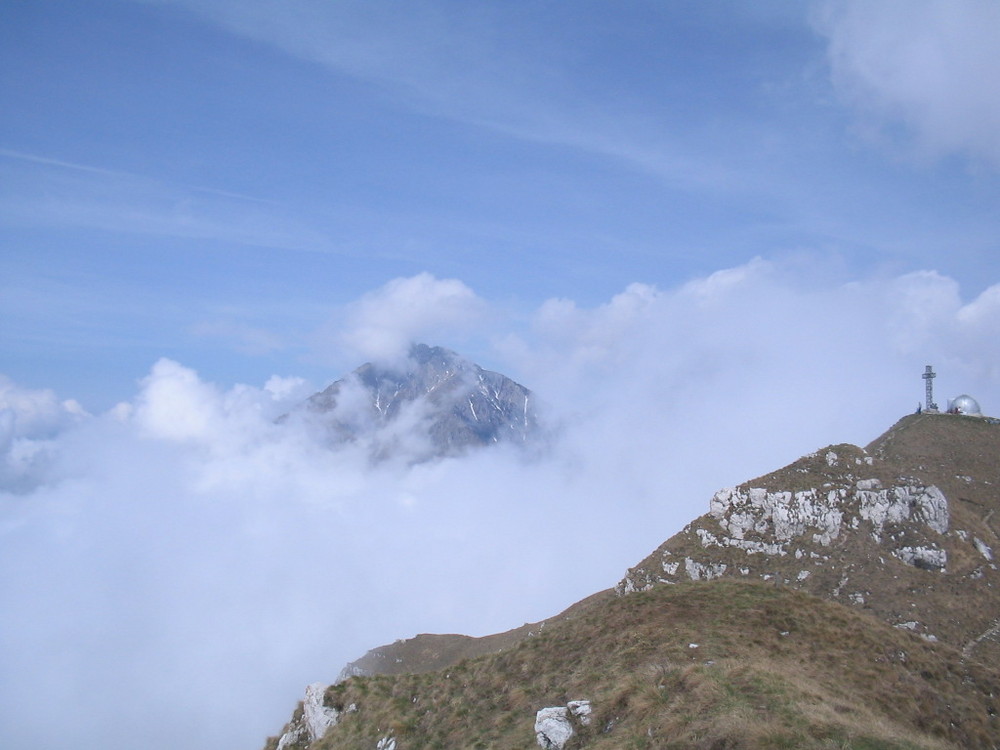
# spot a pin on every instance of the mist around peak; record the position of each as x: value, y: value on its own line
x: 180, y: 566
x: 434, y: 404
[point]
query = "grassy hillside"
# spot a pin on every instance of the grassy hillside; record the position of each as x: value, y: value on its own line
x: 958, y: 604
x: 430, y: 652
x: 718, y: 664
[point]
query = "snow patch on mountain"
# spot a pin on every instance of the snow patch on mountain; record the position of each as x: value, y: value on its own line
x: 435, y: 404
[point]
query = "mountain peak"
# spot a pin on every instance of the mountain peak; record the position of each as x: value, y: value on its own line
x: 436, y: 403
x: 948, y: 443
x: 422, y: 354
x: 902, y: 529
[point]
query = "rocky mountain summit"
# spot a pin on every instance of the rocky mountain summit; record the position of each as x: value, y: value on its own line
x: 848, y: 600
x: 433, y: 404
x: 901, y: 529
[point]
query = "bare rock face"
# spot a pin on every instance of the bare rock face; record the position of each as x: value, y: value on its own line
x: 758, y: 521
x: 554, y: 726
x: 312, y: 722
x: 434, y: 404
x: 900, y: 528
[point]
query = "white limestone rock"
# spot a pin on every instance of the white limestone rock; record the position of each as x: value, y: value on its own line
x: 821, y: 514
x: 289, y: 738
x: 636, y: 580
x: 670, y: 568
x: 783, y: 514
x: 581, y: 710
x: 928, y: 558
x: 785, y: 523
x: 983, y: 548
x: 553, y: 727
x: 703, y: 572
x: 316, y: 719
x: 925, y: 505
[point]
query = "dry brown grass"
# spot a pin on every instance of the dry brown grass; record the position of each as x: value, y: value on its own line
x: 956, y: 454
x: 773, y: 668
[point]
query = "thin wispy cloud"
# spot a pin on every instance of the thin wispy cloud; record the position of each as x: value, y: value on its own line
x: 117, y: 173
x: 50, y: 162
x: 483, y: 65
x: 42, y: 191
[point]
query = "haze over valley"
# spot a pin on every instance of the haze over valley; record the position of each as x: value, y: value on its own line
x: 650, y: 251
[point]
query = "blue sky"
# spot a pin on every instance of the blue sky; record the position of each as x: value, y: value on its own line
x: 214, y: 181
x: 710, y: 237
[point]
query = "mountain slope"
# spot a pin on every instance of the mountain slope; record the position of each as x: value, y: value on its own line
x: 904, y: 529
x: 433, y: 404
x: 429, y: 652
x: 848, y: 600
x: 720, y: 664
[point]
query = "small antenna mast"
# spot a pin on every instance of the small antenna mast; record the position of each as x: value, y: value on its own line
x: 928, y: 377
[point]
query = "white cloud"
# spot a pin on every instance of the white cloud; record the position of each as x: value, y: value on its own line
x: 980, y: 319
x: 926, y: 65
x: 29, y: 419
x: 35, y: 413
x: 182, y: 566
x: 382, y: 324
x: 175, y: 404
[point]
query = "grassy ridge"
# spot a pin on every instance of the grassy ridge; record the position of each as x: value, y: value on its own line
x: 772, y: 668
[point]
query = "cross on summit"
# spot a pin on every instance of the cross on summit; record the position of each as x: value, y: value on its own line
x: 928, y: 377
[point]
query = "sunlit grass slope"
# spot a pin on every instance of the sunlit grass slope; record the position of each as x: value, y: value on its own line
x: 719, y: 664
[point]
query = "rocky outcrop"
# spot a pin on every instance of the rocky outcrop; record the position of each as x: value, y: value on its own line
x: 554, y: 726
x: 759, y: 521
x: 312, y: 722
x: 804, y: 525
x: 897, y: 528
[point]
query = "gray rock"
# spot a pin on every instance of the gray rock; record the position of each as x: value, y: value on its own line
x: 316, y: 719
x: 434, y: 404
x: 554, y: 725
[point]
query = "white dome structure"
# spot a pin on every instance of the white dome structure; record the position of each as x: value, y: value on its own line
x: 964, y: 405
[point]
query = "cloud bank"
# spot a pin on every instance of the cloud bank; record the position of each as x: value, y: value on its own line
x: 381, y: 325
x: 926, y: 66
x: 174, y: 571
